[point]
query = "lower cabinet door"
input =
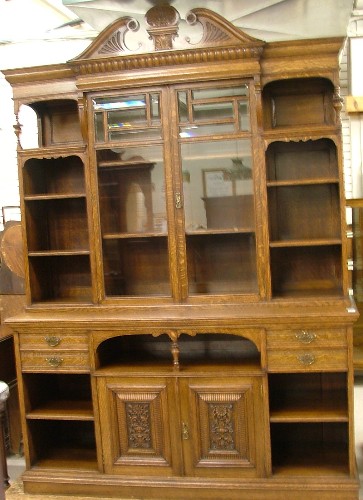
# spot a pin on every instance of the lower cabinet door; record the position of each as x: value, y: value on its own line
x: 222, y: 427
x: 192, y: 426
x: 138, y: 418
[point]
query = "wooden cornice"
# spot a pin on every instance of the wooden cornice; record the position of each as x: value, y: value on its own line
x: 218, y: 41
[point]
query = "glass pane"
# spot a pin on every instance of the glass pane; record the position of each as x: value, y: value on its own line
x: 244, y: 116
x: 219, y: 217
x: 183, y: 107
x: 155, y: 108
x: 133, y: 221
x: 132, y: 191
x: 213, y: 111
x: 134, y: 267
x: 216, y: 105
x: 117, y: 102
x: 222, y: 263
x: 99, y: 129
x: 203, y: 130
x: 126, y: 134
x: 220, y: 92
x: 218, y: 185
x: 126, y: 118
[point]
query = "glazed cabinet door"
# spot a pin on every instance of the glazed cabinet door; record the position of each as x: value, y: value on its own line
x: 222, y: 427
x: 137, y: 423
x: 176, y: 180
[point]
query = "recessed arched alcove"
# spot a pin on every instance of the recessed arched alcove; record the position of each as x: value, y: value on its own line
x: 49, y: 122
x: 298, y: 102
x: 187, y: 350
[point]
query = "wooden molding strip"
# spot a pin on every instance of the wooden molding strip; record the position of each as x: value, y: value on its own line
x: 354, y: 104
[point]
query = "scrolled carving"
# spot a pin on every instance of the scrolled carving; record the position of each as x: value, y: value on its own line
x: 218, y: 33
x: 116, y: 43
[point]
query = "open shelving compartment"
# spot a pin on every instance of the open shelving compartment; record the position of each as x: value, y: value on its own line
x: 59, y: 417
x: 309, y: 427
x: 57, y: 229
x: 305, y: 246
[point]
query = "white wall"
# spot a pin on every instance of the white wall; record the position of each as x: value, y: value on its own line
x: 9, y: 193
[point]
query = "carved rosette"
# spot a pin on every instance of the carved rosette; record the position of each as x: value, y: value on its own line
x: 162, y: 22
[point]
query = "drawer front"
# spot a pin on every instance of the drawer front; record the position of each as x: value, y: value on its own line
x: 309, y: 337
x: 307, y: 360
x: 53, y: 340
x: 49, y: 361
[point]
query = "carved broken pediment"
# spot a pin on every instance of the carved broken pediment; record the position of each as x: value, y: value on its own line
x: 163, y: 30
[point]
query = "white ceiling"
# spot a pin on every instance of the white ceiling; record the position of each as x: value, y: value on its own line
x: 37, y: 32
x: 269, y: 20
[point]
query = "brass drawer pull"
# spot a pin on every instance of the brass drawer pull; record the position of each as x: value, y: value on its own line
x: 305, y: 337
x: 54, y: 361
x: 52, y: 341
x: 307, y: 359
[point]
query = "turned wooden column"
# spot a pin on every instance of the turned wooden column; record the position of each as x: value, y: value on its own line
x: 4, y: 479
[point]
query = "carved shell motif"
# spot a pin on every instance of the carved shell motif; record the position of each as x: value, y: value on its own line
x: 162, y: 21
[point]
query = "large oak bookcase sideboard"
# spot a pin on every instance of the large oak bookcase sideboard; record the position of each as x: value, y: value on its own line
x: 188, y: 326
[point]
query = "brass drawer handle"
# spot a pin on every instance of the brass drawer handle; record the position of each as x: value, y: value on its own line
x: 307, y: 359
x: 54, y: 361
x: 305, y: 337
x: 52, y: 341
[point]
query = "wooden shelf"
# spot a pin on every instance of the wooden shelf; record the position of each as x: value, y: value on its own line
x: 119, y: 236
x: 68, y: 458
x: 305, y: 243
x: 58, y: 253
x: 308, y: 411
x: 63, y: 410
x: 45, y: 197
x: 302, y: 182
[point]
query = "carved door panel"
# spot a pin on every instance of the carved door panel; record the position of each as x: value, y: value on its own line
x: 222, y: 427
x: 137, y: 420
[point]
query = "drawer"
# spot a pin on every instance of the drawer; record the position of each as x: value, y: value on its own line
x: 309, y: 337
x: 53, y: 340
x: 49, y: 361
x: 307, y: 360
